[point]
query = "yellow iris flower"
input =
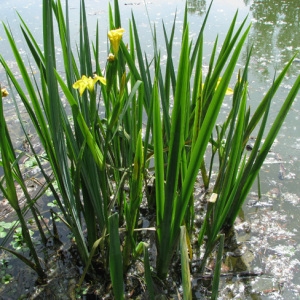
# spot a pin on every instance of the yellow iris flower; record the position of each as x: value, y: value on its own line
x: 115, y: 37
x: 88, y: 82
x: 110, y: 57
x: 4, y: 92
x: 229, y: 91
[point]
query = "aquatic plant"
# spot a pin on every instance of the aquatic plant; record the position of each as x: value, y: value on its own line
x: 103, y: 166
x: 12, y: 177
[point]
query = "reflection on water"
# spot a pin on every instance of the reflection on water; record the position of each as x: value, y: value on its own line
x: 196, y: 6
x: 275, y: 32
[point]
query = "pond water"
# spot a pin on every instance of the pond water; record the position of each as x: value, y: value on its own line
x: 273, y: 238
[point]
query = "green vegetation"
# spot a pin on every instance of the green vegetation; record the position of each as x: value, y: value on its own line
x: 4, y: 269
x: 104, y: 168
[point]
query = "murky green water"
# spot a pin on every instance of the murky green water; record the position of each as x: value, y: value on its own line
x: 274, y: 221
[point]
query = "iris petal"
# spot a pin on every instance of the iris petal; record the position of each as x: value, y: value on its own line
x: 87, y: 82
x: 115, y: 37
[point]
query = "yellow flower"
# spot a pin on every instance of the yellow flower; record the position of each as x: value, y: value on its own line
x: 229, y: 91
x: 100, y: 79
x: 110, y: 57
x: 4, y: 92
x: 115, y: 37
x: 88, y: 82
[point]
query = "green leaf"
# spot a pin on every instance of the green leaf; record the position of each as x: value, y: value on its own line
x: 217, y: 271
x: 185, y: 267
x: 158, y: 159
x: 115, y: 257
x: 148, y: 277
